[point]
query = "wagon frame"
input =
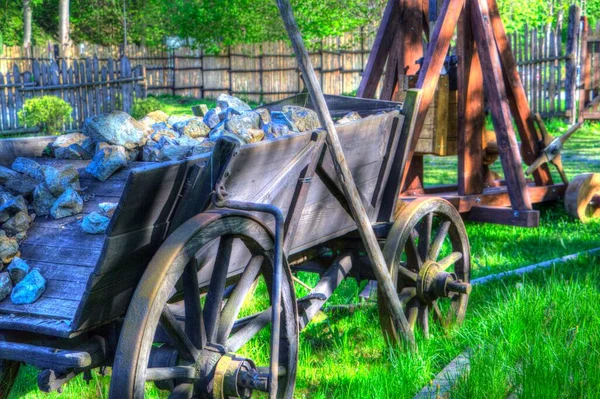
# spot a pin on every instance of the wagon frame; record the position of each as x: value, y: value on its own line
x: 162, y: 207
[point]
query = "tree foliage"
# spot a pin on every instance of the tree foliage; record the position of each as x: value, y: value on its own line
x: 212, y: 24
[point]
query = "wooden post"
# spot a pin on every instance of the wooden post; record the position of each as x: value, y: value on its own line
x: 388, y: 290
x: 530, y: 141
x: 470, y: 109
x: 584, y: 69
x: 571, y: 78
x: 379, y: 52
x: 498, y: 103
x: 430, y: 73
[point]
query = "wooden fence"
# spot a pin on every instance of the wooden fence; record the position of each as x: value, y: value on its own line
x: 267, y: 72
x: 89, y: 86
x: 589, y: 94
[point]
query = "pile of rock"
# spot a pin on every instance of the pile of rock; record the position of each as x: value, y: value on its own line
x: 22, y: 285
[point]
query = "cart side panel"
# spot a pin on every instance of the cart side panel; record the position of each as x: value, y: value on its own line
x: 255, y: 176
x: 29, y: 147
x: 150, y: 200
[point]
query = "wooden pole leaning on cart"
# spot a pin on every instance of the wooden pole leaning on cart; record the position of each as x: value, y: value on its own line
x: 351, y: 194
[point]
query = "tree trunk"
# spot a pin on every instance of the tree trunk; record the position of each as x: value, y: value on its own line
x: 63, y: 28
x: 27, y: 27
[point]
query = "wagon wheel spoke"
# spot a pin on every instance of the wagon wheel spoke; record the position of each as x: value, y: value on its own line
x: 182, y: 391
x: 424, y: 319
x: 238, y: 296
x: 438, y: 241
x: 214, y: 298
x: 179, y: 339
x: 439, y: 315
x: 412, y: 253
x: 450, y: 260
x: 412, y: 312
x: 249, y: 330
x: 194, y: 323
x: 407, y: 294
x: 425, y: 235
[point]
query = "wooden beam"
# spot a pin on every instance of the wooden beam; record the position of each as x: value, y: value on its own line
x: 530, y: 141
x: 411, y: 27
x: 430, y: 72
x: 498, y: 103
x: 494, y: 196
x: 585, y: 68
x: 390, y: 81
x: 506, y: 216
x: 471, y: 116
x: 380, y: 50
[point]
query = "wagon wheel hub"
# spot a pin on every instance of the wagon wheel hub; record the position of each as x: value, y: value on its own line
x: 433, y: 283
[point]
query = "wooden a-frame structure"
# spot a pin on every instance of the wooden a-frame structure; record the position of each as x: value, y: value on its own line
x: 486, y: 65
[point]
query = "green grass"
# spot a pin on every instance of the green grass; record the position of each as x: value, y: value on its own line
x: 534, y: 336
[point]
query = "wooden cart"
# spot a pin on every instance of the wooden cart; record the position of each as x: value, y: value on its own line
x: 177, y: 288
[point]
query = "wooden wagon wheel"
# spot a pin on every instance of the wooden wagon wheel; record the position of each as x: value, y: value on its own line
x: 200, y: 356
x: 582, y: 198
x: 428, y: 253
x: 8, y: 375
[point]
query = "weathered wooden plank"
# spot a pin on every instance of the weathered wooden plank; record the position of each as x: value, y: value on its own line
x: 82, y: 257
x: 470, y: 109
x: 4, y: 124
x: 30, y: 147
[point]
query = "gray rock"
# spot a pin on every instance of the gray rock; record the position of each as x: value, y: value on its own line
x: 11, y: 207
x: 280, y: 118
x: 217, y: 132
x: 158, y: 116
x: 107, y: 161
x: 73, y: 146
x: 265, y: 116
x: 174, y: 152
x: 193, y: 128
x: 29, y: 168
x: 238, y: 123
x: 6, y: 286
x: 156, y: 136
x: 17, y: 224
x: 200, y: 110
x: 116, y: 128
x: 147, y: 122
x: 21, y: 237
x: 212, y: 118
x: 160, y: 126
x: 349, y: 117
x: 174, y: 119
x: 229, y: 112
x: 95, y: 223
x: 9, y: 248
x: 225, y: 101
x: 29, y: 289
x: 133, y: 155
x: 305, y: 119
x: 185, y: 140
x: 108, y: 208
x: 17, y: 269
x: 17, y: 183
x: 252, y: 135
x: 150, y: 152
x: 205, y: 147
x: 43, y: 200
x: 60, y: 179
x: 68, y: 204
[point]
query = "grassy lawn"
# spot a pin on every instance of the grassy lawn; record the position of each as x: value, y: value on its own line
x: 531, y: 337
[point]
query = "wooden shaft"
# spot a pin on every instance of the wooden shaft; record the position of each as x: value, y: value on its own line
x: 347, y: 182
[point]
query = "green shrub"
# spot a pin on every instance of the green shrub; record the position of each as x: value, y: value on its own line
x: 50, y: 113
x: 142, y: 107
